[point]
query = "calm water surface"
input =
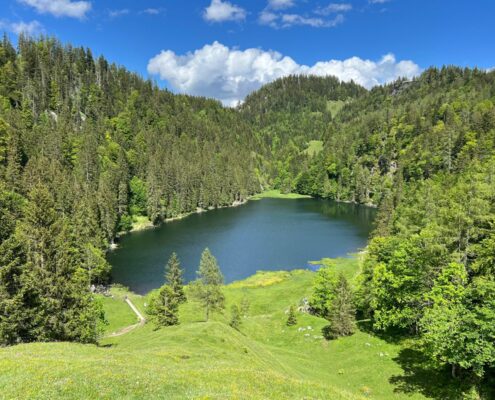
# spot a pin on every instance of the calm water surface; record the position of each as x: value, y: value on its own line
x: 270, y: 234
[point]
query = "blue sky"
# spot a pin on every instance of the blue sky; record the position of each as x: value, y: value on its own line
x: 225, y: 49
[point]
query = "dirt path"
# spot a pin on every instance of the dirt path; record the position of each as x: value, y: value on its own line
x: 129, y: 328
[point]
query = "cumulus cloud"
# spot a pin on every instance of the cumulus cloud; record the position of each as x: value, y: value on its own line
x: 229, y: 74
x: 220, y: 11
x: 31, y: 28
x: 280, y: 4
x: 60, y: 8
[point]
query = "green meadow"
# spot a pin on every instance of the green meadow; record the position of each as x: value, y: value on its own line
x: 265, y: 359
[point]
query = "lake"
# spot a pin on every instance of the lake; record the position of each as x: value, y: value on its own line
x: 267, y: 234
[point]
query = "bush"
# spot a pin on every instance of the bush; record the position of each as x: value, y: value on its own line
x: 292, y: 319
x: 328, y: 333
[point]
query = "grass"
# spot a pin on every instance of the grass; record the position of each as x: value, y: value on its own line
x: 117, y: 313
x: 348, y: 266
x: 210, y: 360
x: 276, y: 194
x: 334, y: 106
x: 314, y: 147
x: 140, y: 223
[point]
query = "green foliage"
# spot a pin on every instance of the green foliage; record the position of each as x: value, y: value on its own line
x: 164, y: 307
x: 323, y: 294
x: 207, y: 289
x: 291, y: 316
x: 139, y: 197
x: 342, y: 313
x: 235, y: 317
x: 45, y: 295
x: 459, y: 329
x: 173, y: 277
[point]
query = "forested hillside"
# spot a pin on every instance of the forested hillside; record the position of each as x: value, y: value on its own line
x: 85, y: 148
x: 288, y: 116
x: 423, y: 151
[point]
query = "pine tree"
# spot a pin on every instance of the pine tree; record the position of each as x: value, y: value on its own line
x: 342, y: 313
x: 235, y: 317
x: 173, y: 277
x: 64, y: 308
x: 164, y: 307
x: 291, y: 318
x: 16, y: 315
x: 207, y: 289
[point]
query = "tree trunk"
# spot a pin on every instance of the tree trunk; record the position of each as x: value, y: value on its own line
x: 454, y: 371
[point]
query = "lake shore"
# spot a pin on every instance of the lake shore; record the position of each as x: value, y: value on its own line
x: 143, y: 223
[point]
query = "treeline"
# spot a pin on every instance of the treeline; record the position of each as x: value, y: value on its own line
x: 86, y: 147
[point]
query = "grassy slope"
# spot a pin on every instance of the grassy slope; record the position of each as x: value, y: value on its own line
x: 199, y: 360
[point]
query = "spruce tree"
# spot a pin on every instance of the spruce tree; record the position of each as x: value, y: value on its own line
x: 64, y: 309
x: 291, y: 318
x: 207, y: 289
x: 173, y: 277
x: 164, y: 307
x: 16, y: 313
x: 342, y: 313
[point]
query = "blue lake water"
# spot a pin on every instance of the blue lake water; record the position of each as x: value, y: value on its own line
x: 269, y: 234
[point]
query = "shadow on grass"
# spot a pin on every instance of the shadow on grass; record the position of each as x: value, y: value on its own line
x: 420, y: 375
x: 389, y: 336
x: 106, y: 345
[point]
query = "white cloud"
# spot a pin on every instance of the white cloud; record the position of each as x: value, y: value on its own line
x: 268, y: 18
x: 31, y: 28
x: 280, y: 4
x: 220, y: 11
x: 230, y: 74
x: 60, y: 8
x: 152, y: 11
x: 118, y: 13
x: 334, y: 8
x: 288, y: 20
x: 278, y: 20
x: 274, y: 17
x: 378, y: 1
